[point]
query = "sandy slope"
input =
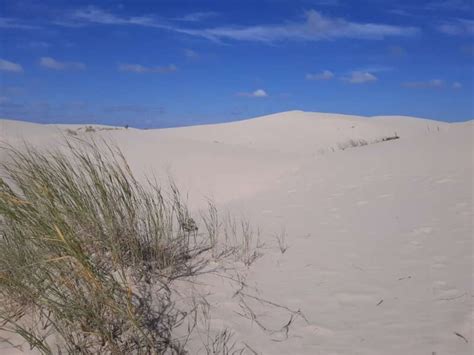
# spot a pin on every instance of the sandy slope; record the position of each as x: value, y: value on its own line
x: 380, y: 257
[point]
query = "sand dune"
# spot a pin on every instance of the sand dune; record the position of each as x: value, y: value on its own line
x: 379, y: 233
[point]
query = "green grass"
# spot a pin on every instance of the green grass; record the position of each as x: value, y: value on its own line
x: 88, y: 254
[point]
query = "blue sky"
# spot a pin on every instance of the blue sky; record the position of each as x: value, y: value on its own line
x: 174, y: 62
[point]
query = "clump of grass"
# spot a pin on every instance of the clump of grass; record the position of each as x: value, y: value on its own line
x: 88, y: 254
x: 71, y: 132
x: 352, y: 143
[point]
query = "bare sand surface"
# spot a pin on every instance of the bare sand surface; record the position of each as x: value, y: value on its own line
x: 379, y: 234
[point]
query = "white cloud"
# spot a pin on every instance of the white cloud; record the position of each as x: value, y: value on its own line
x: 140, y: 69
x: 457, y: 27
x: 196, y: 16
x: 435, y: 83
x: 8, y: 66
x: 400, y: 12
x: 360, y: 77
x: 256, y: 93
x: 260, y: 93
x: 95, y: 15
x: 51, y: 63
x: 324, y: 75
x: 191, y: 54
x: 314, y: 27
x: 36, y: 45
x: 457, y: 85
x: 10, y: 23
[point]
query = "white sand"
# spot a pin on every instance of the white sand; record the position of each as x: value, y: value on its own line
x: 380, y: 257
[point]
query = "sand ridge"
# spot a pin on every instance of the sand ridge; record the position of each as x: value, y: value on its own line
x: 379, y: 235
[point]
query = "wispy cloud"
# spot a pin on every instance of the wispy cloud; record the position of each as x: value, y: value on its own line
x: 434, y: 83
x: 428, y: 8
x: 11, y: 67
x: 190, y: 54
x: 95, y: 15
x: 197, y: 16
x: 257, y: 93
x: 457, y: 27
x: 460, y: 5
x: 314, y: 27
x: 400, y: 12
x: 324, y: 75
x: 51, y: 63
x: 35, y: 45
x: 140, y: 69
x: 11, y: 23
x: 360, y: 77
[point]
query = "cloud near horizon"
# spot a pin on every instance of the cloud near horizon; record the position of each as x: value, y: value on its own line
x: 257, y: 93
x: 51, y: 63
x: 196, y: 16
x: 458, y: 27
x: 434, y: 83
x: 140, y: 69
x: 360, y: 77
x: 315, y: 27
x: 190, y: 54
x: 324, y: 75
x: 11, y: 67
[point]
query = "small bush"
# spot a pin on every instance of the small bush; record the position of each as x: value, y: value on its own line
x: 88, y: 255
x: 71, y: 132
x: 390, y: 138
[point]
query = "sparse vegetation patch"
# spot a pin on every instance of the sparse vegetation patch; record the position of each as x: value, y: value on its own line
x: 89, y: 256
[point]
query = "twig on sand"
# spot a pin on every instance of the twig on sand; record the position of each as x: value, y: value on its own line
x: 358, y: 267
x: 250, y: 348
x: 461, y: 336
x: 250, y: 314
x: 298, y: 312
x: 452, y: 298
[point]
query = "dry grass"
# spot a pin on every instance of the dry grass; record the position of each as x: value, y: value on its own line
x: 281, y: 241
x: 88, y: 255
